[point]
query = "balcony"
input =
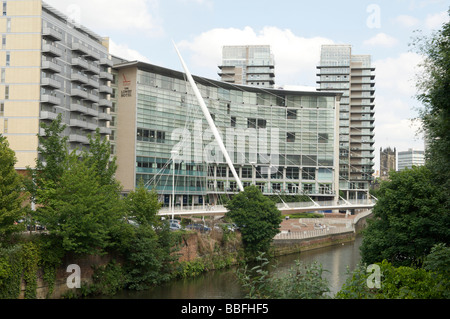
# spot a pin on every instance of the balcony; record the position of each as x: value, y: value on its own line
x: 105, y: 130
x: 92, y: 97
x: 105, y: 89
x: 79, y: 78
x: 76, y: 138
x: 78, y: 108
x: 51, y: 50
x: 91, y: 112
x: 107, y: 62
x: 84, y: 50
x: 50, y: 83
x: 91, y: 126
x: 51, y: 66
x: 106, y: 75
x: 47, y: 115
x: 79, y: 93
x: 77, y: 62
x: 51, y: 34
x: 104, y: 116
x: 50, y: 99
x: 78, y: 123
x: 105, y: 103
x: 92, y: 84
x: 93, y: 69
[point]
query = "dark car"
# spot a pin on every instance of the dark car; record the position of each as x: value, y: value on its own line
x: 198, y: 227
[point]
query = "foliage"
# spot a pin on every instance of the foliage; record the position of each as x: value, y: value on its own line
x: 108, y: 279
x: 438, y: 260
x: 305, y: 215
x: 434, y: 93
x: 51, y: 161
x: 409, y: 218
x: 396, y: 283
x: 300, y: 282
x: 257, y: 217
x: 78, y: 209
x: 143, y: 206
x: 11, y: 187
x: 146, y: 260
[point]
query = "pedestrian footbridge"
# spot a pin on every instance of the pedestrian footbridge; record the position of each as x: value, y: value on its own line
x: 285, y: 208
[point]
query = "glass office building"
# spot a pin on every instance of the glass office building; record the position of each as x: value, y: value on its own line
x: 281, y: 141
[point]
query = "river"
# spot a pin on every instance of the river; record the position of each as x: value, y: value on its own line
x: 223, y: 285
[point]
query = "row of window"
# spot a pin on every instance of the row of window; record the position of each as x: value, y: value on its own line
x: 151, y: 136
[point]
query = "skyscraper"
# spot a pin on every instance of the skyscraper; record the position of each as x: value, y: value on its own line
x: 50, y: 65
x: 248, y: 65
x: 353, y: 76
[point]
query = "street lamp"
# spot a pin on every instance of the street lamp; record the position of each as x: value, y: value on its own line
x: 173, y: 154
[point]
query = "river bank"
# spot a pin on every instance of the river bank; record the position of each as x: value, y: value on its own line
x: 318, y: 233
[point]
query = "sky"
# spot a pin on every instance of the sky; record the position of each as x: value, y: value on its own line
x: 146, y: 29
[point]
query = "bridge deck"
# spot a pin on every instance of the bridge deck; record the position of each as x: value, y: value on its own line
x: 286, y: 209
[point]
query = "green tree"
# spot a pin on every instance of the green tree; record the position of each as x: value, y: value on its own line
x: 257, y: 217
x: 434, y: 93
x: 143, y: 206
x: 11, y: 192
x: 53, y: 152
x: 78, y: 209
x: 409, y: 219
x: 149, y: 254
x: 99, y: 157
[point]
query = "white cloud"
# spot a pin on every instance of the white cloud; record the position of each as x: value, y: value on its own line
x: 123, y: 51
x: 398, y: 74
x: 381, y: 39
x: 116, y: 15
x: 295, y: 57
x: 435, y: 21
x: 406, y: 21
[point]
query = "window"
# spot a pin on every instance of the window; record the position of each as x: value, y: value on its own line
x: 262, y: 123
x: 5, y: 126
x: 323, y: 138
x: 3, y: 76
x: 150, y: 135
x: 8, y: 25
x: 233, y: 121
x: 290, y: 137
x: 291, y: 114
x: 4, y: 8
x: 228, y: 108
x: 4, y: 41
x: 2, y: 109
x: 251, y: 123
x: 6, y: 92
x: 8, y: 58
x: 246, y: 172
x: 309, y: 173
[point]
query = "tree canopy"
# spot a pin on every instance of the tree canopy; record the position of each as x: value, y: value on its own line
x: 257, y: 217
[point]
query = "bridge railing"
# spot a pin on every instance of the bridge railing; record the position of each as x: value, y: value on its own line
x: 312, y: 233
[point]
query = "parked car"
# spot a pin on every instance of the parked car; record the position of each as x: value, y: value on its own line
x: 175, y: 226
x: 198, y: 227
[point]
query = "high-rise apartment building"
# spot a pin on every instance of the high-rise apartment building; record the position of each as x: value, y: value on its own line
x: 284, y: 142
x: 49, y: 66
x: 353, y: 76
x: 410, y: 158
x: 387, y: 162
x: 248, y: 65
